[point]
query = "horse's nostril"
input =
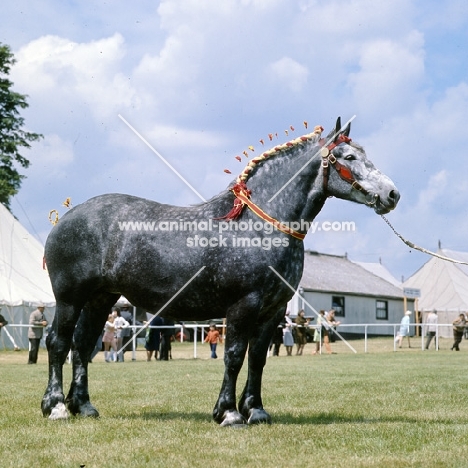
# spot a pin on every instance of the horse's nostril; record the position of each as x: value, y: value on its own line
x: 394, y: 195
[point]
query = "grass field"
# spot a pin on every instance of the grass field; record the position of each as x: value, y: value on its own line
x: 379, y: 409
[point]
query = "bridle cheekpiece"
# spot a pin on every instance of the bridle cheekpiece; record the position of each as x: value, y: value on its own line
x: 345, y: 174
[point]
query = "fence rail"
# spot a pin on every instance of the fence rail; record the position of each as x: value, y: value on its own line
x: 7, y: 341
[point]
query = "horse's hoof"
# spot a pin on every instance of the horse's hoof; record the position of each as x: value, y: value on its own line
x: 59, y: 412
x: 232, y: 418
x: 50, y: 401
x: 88, y: 411
x: 259, y: 416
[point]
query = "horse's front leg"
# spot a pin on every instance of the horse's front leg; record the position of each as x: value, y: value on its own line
x: 239, y: 324
x: 58, y: 345
x: 250, y: 404
x: 225, y: 411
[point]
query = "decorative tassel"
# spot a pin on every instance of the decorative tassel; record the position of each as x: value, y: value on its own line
x: 236, y: 211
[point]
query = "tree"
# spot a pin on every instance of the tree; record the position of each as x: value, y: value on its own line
x: 12, y: 136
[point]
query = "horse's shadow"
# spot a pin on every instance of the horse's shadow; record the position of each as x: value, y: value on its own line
x: 285, y: 418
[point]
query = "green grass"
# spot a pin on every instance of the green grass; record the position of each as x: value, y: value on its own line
x: 379, y: 409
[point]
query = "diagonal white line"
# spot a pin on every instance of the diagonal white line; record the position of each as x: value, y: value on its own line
x: 311, y: 307
x: 309, y: 161
x: 163, y: 307
x: 139, y: 135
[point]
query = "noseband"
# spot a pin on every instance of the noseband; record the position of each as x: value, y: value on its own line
x: 344, y: 173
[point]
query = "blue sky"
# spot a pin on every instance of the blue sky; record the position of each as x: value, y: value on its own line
x: 203, y: 79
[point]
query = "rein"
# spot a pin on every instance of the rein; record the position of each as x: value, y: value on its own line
x: 421, y: 249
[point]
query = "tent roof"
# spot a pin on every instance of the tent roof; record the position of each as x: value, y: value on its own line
x: 22, y: 278
x: 443, y: 284
x: 334, y: 273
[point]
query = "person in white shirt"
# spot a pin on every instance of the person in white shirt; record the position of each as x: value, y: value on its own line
x: 431, y: 328
x: 119, y: 324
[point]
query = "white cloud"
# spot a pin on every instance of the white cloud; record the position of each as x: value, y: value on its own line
x: 290, y: 73
x: 71, y: 72
x: 433, y: 191
x: 51, y: 156
x: 390, y: 76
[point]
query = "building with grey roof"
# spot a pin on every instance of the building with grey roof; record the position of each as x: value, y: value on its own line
x: 358, y: 295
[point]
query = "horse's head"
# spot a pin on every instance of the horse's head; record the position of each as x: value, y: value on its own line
x: 348, y: 174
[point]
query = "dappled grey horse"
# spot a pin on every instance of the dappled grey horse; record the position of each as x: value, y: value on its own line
x: 221, y: 258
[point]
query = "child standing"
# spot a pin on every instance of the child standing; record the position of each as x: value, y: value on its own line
x: 213, y: 337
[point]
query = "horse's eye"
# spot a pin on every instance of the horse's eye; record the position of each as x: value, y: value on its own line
x: 350, y: 157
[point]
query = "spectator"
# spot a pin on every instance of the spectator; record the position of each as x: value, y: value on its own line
x: 35, y: 332
x: 119, y: 324
x: 3, y: 322
x: 301, y: 335
x: 277, y: 340
x: 127, y: 333
x: 109, y: 340
x: 328, y: 330
x: 404, y: 329
x: 153, y: 338
x: 213, y: 338
x: 319, y: 332
x: 459, y: 326
x: 288, y: 339
x: 166, y: 337
x: 431, y: 331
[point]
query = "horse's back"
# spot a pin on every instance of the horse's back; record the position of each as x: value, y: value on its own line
x: 76, y: 246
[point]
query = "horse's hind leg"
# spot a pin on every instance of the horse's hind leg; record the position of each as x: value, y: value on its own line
x: 88, y: 328
x: 250, y: 404
x: 58, y: 345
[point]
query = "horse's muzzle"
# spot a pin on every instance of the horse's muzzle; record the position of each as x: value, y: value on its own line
x: 384, y: 206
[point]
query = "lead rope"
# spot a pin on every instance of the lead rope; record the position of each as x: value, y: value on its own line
x: 421, y: 249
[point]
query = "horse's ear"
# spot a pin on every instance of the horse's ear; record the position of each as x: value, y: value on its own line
x: 333, y: 135
x: 338, y: 125
x: 337, y: 128
x: 347, y: 130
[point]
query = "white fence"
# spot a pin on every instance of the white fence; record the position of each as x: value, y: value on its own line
x: 369, y: 330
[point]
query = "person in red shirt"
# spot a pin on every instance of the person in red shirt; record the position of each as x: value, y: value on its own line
x: 213, y: 337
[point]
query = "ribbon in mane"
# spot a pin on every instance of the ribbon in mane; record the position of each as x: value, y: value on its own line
x: 242, y: 193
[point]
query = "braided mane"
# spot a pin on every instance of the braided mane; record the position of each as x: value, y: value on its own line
x: 240, y: 190
x: 313, y: 136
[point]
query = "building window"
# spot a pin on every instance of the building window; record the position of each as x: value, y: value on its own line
x: 338, y: 305
x: 381, y: 310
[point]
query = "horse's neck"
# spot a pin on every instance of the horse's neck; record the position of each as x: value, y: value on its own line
x: 302, y: 198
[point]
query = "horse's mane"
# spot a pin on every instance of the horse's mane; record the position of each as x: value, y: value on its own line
x: 279, y: 149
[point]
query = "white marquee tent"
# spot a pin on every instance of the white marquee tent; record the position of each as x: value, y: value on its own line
x: 444, y: 287
x: 23, y: 281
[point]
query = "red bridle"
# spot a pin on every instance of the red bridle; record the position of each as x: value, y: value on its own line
x: 345, y: 174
